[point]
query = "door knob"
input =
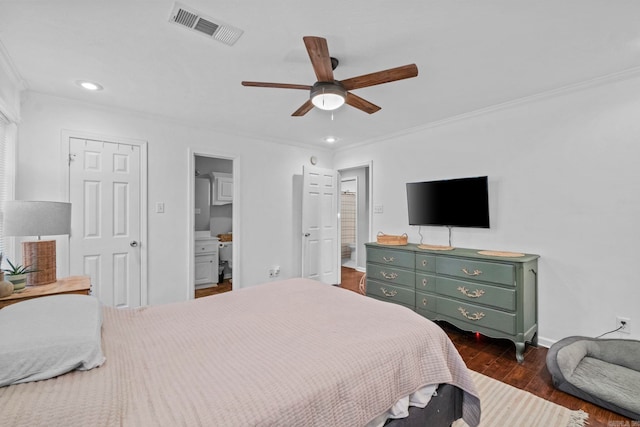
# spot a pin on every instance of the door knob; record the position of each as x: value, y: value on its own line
x: 133, y: 244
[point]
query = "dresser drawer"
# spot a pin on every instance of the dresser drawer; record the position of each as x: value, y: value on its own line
x: 206, y: 247
x: 389, y: 292
x: 477, y: 293
x: 391, y: 257
x: 425, y: 282
x: 425, y: 301
x: 396, y: 276
x: 477, y: 270
x: 383, y: 299
x: 426, y: 263
x: 477, y: 315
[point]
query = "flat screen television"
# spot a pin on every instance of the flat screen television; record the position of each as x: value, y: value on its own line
x: 462, y: 202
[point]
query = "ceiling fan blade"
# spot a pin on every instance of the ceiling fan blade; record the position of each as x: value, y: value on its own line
x: 361, y: 104
x: 320, y: 59
x: 385, y: 76
x: 277, y: 85
x: 304, y: 109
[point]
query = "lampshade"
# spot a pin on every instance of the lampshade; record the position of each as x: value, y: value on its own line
x: 328, y: 96
x: 30, y: 218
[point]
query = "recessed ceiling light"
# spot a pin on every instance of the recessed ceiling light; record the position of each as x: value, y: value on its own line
x: 89, y: 85
x: 330, y: 139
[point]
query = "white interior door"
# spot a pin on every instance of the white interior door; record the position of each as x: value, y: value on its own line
x: 320, y: 228
x: 104, y: 190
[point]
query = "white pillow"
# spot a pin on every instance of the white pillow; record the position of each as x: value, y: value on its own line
x: 45, y: 337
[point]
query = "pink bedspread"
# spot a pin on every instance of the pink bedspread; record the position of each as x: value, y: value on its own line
x: 288, y: 353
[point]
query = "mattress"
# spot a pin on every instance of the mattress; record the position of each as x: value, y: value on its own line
x: 294, y: 352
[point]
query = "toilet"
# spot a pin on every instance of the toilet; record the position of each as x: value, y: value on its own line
x: 225, y: 254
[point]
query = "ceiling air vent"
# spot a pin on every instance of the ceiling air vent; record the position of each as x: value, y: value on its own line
x: 210, y: 27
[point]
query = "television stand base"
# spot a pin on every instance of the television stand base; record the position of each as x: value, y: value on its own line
x: 436, y: 247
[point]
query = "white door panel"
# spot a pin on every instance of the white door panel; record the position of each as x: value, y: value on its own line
x: 320, y: 229
x: 104, y: 190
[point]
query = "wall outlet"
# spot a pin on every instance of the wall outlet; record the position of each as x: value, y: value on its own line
x: 274, y: 271
x: 624, y: 323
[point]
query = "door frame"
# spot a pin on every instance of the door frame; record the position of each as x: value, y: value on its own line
x: 66, y: 135
x: 365, y: 164
x: 190, y: 220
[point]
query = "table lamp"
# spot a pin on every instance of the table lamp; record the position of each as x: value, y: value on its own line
x: 31, y: 218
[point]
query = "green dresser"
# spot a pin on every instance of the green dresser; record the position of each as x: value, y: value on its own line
x: 494, y: 295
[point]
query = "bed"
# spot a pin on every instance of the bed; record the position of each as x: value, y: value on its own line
x: 288, y: 353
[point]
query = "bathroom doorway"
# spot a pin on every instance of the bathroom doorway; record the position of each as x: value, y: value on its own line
x: 354, y: 216
x: 349, y: 221
x: 213, y: 219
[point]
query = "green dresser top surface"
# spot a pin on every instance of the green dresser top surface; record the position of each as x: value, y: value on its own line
x: 456, y: 252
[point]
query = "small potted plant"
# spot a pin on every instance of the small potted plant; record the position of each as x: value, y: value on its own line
x: 6, y: 288
x: 17, y: 274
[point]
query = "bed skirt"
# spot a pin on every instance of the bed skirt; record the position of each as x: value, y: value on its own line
x: 443, y: 409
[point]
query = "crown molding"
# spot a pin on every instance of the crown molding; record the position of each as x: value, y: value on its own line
x: 553, y: 93
x: 10, y: 103
x: 6, y: 64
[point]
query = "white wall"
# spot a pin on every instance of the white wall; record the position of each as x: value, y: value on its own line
x: 266, y: 179
x: 564, y: 183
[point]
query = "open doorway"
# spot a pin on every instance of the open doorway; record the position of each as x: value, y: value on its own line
x: 354, y: 216
x: 213, y: 225
x: 349, y: 222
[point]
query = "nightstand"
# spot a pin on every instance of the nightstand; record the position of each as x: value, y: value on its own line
x: 68, y: 285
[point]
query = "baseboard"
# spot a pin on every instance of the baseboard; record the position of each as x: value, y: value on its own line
x: 206, y: 286
x: 545, y: 342
x: 356, y: 268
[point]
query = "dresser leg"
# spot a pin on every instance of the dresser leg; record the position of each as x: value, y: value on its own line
x: 520, y: 351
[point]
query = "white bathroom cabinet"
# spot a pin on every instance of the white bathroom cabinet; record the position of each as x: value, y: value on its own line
x: 206, y: 261
x: 222, y: 188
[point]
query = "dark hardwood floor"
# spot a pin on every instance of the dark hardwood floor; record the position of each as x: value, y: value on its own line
x: 496, y: 358
x: 225, y: 286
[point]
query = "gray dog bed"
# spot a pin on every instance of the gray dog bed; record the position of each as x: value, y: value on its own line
x: 605, y: 372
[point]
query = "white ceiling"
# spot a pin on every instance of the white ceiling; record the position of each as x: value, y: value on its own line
x: 470, y: 55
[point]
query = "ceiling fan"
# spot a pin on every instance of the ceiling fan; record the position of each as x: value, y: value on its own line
x: 328, y: 93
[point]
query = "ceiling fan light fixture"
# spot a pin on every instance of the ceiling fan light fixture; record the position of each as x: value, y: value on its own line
x: 91, y: 86
x: 328, y: 95
x: 330, y: 139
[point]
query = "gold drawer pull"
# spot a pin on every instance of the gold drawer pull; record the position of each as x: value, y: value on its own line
x: 390, y: 259
x: 390, y: 276
x: 475, y: 272
x: 474, y: 316
x: 424, y: 302
x: 389, y: 293
x: 424, y: 263
x: 475, y: 294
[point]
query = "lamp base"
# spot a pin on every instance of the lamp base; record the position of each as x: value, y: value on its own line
x: 40, y: 255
